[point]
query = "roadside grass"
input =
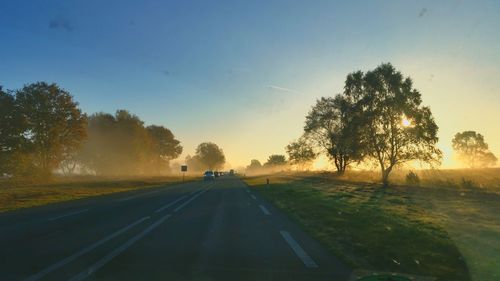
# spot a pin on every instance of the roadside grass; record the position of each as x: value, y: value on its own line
x: 15, y: 195
x: 367, y: 226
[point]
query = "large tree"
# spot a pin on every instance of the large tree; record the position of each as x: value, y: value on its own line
x: 300, y: 152
x: 332, y: 125
x: 394, y: 126
x: 55, y: 123
x: 472, y: 150
x: 210, y: 155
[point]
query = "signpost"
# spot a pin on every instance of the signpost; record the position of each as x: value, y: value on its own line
x: 184, y: 169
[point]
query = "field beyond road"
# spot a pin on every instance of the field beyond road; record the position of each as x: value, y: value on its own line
x: 450, y: 233
x: 24, y: 195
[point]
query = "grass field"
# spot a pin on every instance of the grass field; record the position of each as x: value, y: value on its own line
x: 23, y: 195
x: 450, y: 232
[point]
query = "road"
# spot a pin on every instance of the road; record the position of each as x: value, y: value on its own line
x: 217, y: 230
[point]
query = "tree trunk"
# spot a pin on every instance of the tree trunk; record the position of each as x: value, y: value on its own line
x: 385, y: 176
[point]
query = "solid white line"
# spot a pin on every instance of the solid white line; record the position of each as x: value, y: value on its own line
x: 306, y: 259
x: 189, y: 201
x: 100, y: 263
x: 170, y: 204
x: 264, y: 210
x: 253, y: 197
x: 83, y: 251
x: 68, y: 214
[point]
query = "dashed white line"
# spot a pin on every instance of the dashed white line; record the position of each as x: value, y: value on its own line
x: 264, y: 210
x: 248, y: 191
x: 253, y: 197
x: 170, y: 204
x: 83, y: 251
x: 189, y: 200
x: 68, y: 214
x: 306, y: 259
x: 100, y: 263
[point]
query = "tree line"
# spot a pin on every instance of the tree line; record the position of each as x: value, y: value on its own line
x: 42, y: 130
x: 379, y: 120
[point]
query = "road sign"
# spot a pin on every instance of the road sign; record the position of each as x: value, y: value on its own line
x: 184, y: 168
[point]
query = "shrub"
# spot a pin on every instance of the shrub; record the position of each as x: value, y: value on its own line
x: 412, y: 178
x: 467, y: 183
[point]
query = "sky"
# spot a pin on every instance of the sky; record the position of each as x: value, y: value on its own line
x: 244, y: 74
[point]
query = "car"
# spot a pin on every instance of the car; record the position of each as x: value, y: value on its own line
x: 209, y: 175
x: 231, y: 172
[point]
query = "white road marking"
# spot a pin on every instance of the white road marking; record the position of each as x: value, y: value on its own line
x: 83, y: 251
x: 306, y: 259
x: 264, y: 210
x: 170, y: 204
x: 253, y: 197
x: 100, y: 263
x: 68, y: 214
x: 189, y: 200
x: 248, y: 191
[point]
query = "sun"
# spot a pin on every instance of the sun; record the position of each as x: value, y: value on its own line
x: 405, y: 122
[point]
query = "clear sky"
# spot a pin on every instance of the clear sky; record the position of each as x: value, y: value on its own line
x: 243, y: 74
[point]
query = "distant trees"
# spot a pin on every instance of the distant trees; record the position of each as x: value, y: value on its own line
x: 42, y: 125
x: 254, y: 165
x: 379, y: 117
x: 42, y: 130
x: 275, y: 160
x: 164, y: 147
x: 120, y: 144
x: 472, y: 150
x: 210, y: 156
x: 300, y: 153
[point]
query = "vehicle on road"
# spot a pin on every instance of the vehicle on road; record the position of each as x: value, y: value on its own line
x: 231, y: 172
x: 209, y: 175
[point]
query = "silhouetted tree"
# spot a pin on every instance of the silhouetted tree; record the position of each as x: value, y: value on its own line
x: 164, y: 147
x: 254, y: 167
x: 55, y: 124
x: 333, y: 126
x: 473, y: 150
x: 210, y: 155
x: 275, y: 160
x: 300, y: 153
x: 395, y: 128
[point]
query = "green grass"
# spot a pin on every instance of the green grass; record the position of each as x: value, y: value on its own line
x: 24, y: 195
x: 367, y: 226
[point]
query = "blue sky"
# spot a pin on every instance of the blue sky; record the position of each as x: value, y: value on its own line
x: 244, y: 73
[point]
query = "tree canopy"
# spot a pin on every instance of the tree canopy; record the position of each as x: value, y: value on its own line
x: 55, y: 125
x: 275, y: 160
x: 210, y: 155
x: 332, y: 125
x: 472, y: 150
x: 120, y: 144
x: 300, y: 153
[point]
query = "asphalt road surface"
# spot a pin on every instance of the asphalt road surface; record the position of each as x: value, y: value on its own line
x: 217, y: 230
